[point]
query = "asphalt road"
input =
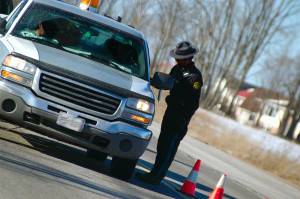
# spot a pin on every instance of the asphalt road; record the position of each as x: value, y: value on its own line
x: 33, y: 166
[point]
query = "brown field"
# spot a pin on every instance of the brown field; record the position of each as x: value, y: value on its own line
x: 201, y: 128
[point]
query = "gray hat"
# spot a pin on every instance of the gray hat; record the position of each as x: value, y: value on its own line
x: 183, y: 50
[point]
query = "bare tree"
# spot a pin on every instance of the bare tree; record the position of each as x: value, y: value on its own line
x: 107, y: 7
x: 231, y: 36
x: 138, y: 13
x: 293, y: 89
x: 168, y: 26
x: 283, y: 74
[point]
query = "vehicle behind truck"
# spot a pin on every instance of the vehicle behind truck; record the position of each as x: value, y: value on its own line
x: 78, y: 77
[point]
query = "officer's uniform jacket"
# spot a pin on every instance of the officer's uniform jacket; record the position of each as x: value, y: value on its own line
x: 185, y: 94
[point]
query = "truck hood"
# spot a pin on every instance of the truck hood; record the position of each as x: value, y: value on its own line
x: 97, y: 74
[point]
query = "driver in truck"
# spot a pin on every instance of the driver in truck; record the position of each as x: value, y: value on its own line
x: 56, y: 30
x: 46, y: 29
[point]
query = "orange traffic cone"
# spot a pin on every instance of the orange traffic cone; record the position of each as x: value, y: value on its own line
x: 218, y: 192
x: 189, y: 185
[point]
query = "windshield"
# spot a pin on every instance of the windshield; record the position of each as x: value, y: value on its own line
x: 75, y: 34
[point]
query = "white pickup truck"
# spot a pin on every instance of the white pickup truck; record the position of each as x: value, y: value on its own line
x: 79, y: 77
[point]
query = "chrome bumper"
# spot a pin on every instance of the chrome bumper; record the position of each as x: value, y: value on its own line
x: 114, y: 131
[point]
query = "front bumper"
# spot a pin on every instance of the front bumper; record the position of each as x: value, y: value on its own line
x: 116, y: 138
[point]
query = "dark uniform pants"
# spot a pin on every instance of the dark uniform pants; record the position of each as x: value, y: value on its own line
x: 173, y: 130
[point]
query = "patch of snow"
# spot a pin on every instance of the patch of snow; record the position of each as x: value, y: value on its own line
x: 267, y: 141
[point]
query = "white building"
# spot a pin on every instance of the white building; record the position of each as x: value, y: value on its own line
x: 263, y: 108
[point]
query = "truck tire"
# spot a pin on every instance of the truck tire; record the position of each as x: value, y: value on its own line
x: 96, y: 155
x: 122, y: 168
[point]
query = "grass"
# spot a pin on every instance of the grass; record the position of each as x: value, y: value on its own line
x: 204, y: 128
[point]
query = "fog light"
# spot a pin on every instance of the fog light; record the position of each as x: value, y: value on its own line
x: 8, y: 105
x: 125, y: 145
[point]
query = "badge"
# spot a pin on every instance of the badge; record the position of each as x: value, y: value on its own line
x: 196, y: 85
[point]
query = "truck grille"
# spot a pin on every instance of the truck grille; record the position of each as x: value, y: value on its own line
x: 76, y: 94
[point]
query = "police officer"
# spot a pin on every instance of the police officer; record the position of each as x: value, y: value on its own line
x: 182, y: 102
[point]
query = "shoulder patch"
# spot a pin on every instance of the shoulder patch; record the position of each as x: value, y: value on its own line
x: 197, y: 85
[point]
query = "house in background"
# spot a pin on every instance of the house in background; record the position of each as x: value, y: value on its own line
x: 242, y: 95
x: 273, y: 112
x: 247, y: 108
x: 228, y: 92
x: 296, y: 135
x: 259, y: 107
x: 263, y: 108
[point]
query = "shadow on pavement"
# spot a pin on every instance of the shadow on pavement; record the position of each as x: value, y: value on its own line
x: 180, y: 178
x: 69, y: 179
x: 77, y: 156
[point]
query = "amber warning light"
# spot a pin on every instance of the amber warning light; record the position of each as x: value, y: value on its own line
x: 91, y: 5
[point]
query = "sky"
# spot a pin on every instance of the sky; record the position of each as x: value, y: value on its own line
x: 279, y: 42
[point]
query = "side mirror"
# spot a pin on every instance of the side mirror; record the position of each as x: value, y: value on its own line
x: 2, y: 25
x: 162, y: 81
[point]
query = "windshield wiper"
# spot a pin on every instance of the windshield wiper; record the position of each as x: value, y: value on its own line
x: 120, y: 67
x: 43, y: 41
x: 98, y: 59
x: 95, y: 58
x: 105, y: 61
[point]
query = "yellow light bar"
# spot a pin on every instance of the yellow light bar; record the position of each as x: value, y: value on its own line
x: 140, y: 119
x: 12, y: 76
x: 95, y: 3
x: 86, y: 4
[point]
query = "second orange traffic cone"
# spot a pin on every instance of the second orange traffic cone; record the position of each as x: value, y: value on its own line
x: 218, y: 192
x: 189, y: 185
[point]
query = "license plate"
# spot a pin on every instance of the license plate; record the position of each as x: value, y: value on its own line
x: 70, y: 122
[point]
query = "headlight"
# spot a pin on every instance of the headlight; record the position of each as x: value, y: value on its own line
x: 140, y: 105
x: 19, y: 64
x: 18, y: 70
